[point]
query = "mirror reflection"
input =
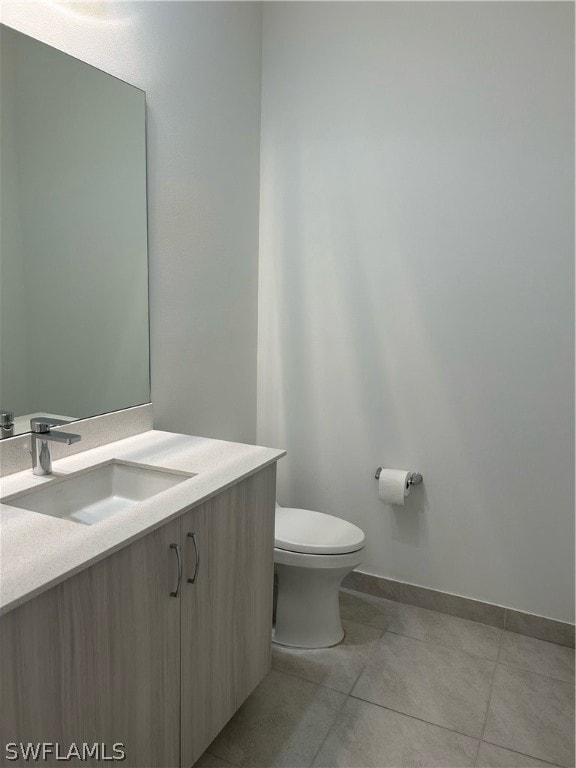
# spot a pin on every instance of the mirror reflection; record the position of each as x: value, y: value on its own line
x: 73, y: 238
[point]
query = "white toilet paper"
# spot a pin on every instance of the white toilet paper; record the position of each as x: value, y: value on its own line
x: 393, y: 486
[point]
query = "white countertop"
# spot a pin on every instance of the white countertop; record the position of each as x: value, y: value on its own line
x: 38, y: 551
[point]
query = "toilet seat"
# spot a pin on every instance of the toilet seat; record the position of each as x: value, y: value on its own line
x: 307, y: 560
x: 307, y: 532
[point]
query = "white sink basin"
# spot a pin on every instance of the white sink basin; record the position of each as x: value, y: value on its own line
x: 94, y: 494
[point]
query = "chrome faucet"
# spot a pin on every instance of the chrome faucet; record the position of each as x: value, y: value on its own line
x: 42, y: 438
x: 6, y: 424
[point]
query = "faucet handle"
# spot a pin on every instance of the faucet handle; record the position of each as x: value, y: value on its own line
x: 43, y: 423
x: 6, y: 417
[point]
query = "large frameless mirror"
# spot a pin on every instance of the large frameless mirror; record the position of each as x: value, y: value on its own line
x: 74, y: 336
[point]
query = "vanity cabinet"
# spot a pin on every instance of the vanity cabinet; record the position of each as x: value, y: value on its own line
x: 95, y: 659
x: 227, y: 611
x: 110, y: 656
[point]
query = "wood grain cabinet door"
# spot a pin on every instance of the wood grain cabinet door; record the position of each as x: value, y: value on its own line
x: 227, y: 609
x: 96, y: 659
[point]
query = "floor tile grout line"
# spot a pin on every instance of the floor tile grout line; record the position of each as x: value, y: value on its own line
x: 414, y: 717
x: 329, y: 731
x: 307, y: 680
x: 489, y: 700
x: 206, y: 751
x: 329, y: 687
x: 440, y: 645
x: 539, y: 639
x: 431, y: 642
x: 461, y: 650
x: 532, y: 672
x: 348, y: 621
x: 369, y: 595
x: 531, y: 757
x: 348, y: 696
x: 369, y: 658
x: 424, y: 608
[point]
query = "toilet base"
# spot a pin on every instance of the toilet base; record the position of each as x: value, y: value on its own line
x: 305, y: 647
x: 308, y: 608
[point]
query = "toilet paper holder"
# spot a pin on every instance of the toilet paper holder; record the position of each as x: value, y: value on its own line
x: 414, y: 478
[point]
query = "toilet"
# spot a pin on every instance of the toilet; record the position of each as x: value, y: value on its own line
x: 313, y: 552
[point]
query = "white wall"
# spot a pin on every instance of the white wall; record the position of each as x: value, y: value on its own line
x: 416, y: 286
x: 199, y: 64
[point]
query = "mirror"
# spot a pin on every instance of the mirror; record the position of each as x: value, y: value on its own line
x: 73, y: 237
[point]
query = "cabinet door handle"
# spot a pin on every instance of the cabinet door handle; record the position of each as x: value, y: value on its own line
x: 197, y: 552
x: 176, y: 547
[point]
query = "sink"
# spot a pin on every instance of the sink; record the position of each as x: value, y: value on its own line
x: 95, y: 494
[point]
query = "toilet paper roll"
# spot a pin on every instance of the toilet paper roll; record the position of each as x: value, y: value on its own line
x: 393, y: 486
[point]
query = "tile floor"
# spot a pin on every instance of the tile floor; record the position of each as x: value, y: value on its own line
x: 407, y: 687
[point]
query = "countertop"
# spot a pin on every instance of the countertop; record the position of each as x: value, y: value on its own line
x: 38, y: 551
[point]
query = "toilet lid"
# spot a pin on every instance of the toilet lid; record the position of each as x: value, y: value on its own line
x: 303, y: 530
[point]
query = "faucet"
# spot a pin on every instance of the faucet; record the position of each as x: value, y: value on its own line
x: 42, y: 438
x: 6, y: 423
